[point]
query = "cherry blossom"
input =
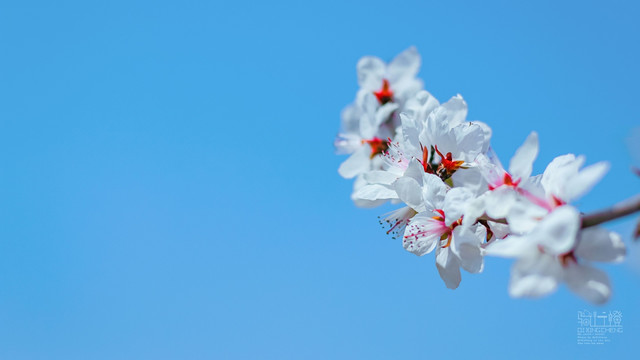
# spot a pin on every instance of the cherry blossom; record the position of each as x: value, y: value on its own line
x: 363, y: 137
x: 506, y: 189
x: 394, y: 82
x: 455, y: 198
x: 557, y: 251
x: 437, y: 226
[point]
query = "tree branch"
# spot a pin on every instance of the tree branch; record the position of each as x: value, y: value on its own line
x: 621, y: 209
x: 486, y: 217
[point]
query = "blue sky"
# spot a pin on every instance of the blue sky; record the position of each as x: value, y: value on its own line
x: 168, y: 186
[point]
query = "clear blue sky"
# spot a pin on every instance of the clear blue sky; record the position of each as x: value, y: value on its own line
x: 168, y: 188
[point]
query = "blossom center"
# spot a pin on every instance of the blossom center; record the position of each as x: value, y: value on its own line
x: 556, y: 201
x: 448, y: 235
x: 437, y: 227
x: 447, y: 165
x: 384, y: 95
x: 567, y: 258
x: 427, y: 160
x: 506, y: 180
x: 378, y: 146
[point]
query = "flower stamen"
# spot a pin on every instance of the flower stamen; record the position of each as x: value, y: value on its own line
x: 447, y: 165
x: 378, y: 146
x: 385, y: 94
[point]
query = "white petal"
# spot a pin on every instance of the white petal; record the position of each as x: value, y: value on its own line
x: 598, y: 244
x: 346, y: 143
x: 448, y: 267
x: 466, y: 245
x: 358, y: 183
x: 410, y: 133
x: 471, y: 179
x: 558, y: 172
x: 357, y: 163
x: 380, y: 177
x: 374, y: 192
x: 490, y: 171
x: 534, y: 186
x: 510, y: 247
x: 414, y: 171
x: 582, y: 182
x: 500, y: 201
x: 534, y: 276
x: 410, y: 192
x: 559, y: 162
x: 493, y: 158
x: 474, y: 210
x: 369, y: 122
x: 455, y: 111
x: 524, y: 216
x: 361, y: 203
x: 487, y: 135
x: 500, y: 231
x: 370, y: 72
x: 590, y: 283
x: 405, y: 65
x: 436, y: 130
x: 421, y: 234
x: 470, y: 141
x: 405, y: 89
x: 384, y: 113
x: 521, y: 163
x: 427, y: 102
x: 455, y: 202
x: 433, y: 191
x: 558, y: 231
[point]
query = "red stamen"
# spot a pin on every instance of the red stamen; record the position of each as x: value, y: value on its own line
x: 557, y: 201
x: 447, y: 163
x: 506, y: 180
x: 425, y: 160
x: 509, y: 181
x: 567, y: 258
x: 385, y: 94
x: 378, y: 146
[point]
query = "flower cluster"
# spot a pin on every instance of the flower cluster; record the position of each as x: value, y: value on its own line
x: 405, y: 147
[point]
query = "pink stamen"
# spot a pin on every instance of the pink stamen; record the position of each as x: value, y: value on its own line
x: 536, y: 200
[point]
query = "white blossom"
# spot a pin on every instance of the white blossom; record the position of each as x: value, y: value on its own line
x: 456, y: 199
x: 557, y: 251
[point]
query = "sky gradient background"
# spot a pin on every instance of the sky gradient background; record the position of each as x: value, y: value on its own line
x: 168, y: 187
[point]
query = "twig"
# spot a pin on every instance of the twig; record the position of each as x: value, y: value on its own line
x: 619, y: 210
x: 486, y: 217
x: 624, y: 208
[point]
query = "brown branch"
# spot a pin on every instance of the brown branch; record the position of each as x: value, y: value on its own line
x: 618, y: 210
x: 486, y: 217
x: 621, y: 209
